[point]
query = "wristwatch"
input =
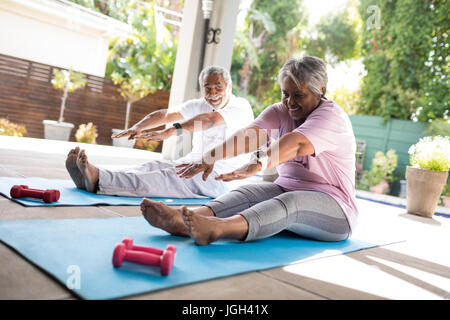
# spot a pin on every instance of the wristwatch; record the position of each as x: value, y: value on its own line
x: 179, y: 129
x: 261, y: 157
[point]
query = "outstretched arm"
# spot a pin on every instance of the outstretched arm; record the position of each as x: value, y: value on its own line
x: 154, y: 119
x: 200, y: 122
x: 243, y: 141
x: 288, y: 147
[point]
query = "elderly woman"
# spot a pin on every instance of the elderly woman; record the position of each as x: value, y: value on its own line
x: 313, y: 148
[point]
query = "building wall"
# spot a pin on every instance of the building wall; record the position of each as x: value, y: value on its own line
x: 57, y: 33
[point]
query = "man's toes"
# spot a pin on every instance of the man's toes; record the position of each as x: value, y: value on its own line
x: 145, y: 202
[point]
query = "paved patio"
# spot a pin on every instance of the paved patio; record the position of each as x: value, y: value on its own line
x: 416, y: 268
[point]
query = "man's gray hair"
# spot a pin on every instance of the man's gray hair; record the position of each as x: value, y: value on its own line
x: 309, y: 71
x: 214, y: 70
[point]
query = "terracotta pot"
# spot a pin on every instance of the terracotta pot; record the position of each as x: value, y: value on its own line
x: 424, y: 188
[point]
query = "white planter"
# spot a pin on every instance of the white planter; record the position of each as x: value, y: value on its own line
x: 55, y: 130
x: 122, y: 142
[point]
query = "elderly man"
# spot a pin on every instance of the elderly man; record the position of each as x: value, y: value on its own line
x: 212, y: 119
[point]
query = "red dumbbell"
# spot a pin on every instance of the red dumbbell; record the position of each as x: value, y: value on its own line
x: 128, y: 242
x: 49, y: 195
x: 164, y: 261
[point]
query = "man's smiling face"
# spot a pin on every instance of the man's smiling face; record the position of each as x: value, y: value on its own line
x: 215, y: 90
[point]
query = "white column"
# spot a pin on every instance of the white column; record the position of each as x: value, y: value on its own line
x: 184, y: 86
x: 224, y: 17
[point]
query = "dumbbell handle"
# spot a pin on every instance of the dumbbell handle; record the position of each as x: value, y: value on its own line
x: 142, y: 258
x: 148, y: 249
x: 35, y: 193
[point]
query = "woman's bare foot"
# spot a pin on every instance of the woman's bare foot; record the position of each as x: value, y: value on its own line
x: 88, y: 171
x: 203, y: 229
x: 72, y: 168
x: 164, y: 217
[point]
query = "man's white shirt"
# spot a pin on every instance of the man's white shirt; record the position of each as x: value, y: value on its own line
x: 237, y: 114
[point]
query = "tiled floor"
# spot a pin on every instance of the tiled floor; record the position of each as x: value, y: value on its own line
x: 416, y: 268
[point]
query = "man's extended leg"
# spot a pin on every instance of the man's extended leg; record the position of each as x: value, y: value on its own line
x: 157, y: 179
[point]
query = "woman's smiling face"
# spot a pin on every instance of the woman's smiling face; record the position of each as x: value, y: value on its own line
x: 300, y: 101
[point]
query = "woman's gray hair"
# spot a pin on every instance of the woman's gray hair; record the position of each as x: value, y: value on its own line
x: 309, y: 71
x: 214, y: 70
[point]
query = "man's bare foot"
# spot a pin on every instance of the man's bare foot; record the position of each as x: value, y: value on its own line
x: 164, y: 217
x: 88, y: 171
x: 203, y: 229
x: 72, y: 168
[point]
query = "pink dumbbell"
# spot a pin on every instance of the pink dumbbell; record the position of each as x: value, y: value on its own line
x: 164, y: 261
x: 128, y: 242
x: 49, y: 195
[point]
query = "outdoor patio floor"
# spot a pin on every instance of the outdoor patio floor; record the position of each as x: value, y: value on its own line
x: 416, y: 268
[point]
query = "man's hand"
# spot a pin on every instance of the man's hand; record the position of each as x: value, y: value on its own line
x: 188, y: 170
x: 248, y: 170
x: 156, y: 135
x: 131, y: 133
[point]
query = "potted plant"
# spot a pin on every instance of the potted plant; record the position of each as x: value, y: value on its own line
x: 146, y: 145
x: 141, y: 63
x: 133, y: 87
x: 68, y: 81
x: 86, y: 133
x: 380, y: 175
x: 8, y: 128
x: 427, y: 174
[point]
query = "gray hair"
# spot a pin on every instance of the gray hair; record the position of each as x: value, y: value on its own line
x: 214, y: 70
x: 309, y: 71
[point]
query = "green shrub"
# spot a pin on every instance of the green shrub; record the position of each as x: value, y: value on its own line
x: 382, y: 168
x: 8, y: 128
x: 87, y: 133
x: 146, y: 145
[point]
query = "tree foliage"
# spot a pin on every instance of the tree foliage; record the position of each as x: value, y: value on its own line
x: 262, y: 46
x: 275, y: 31
x: 405, y: 52
x: 144, y: 61
x: 336, y: 37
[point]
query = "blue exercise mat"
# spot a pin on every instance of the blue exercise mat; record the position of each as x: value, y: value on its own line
x: 72, y: 196
x: 78, y: 253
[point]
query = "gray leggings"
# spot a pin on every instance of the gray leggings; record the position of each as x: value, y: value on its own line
x: 269, y: 209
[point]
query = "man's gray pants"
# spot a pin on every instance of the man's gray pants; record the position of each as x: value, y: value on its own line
x: 158, y: 178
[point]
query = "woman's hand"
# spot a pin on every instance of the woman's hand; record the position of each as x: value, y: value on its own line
x: 248, y: 170
x: 188, y: 170
x: 131, y: 133
x: 156, y: 135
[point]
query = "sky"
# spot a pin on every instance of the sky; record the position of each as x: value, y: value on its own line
x: 319, y: 8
